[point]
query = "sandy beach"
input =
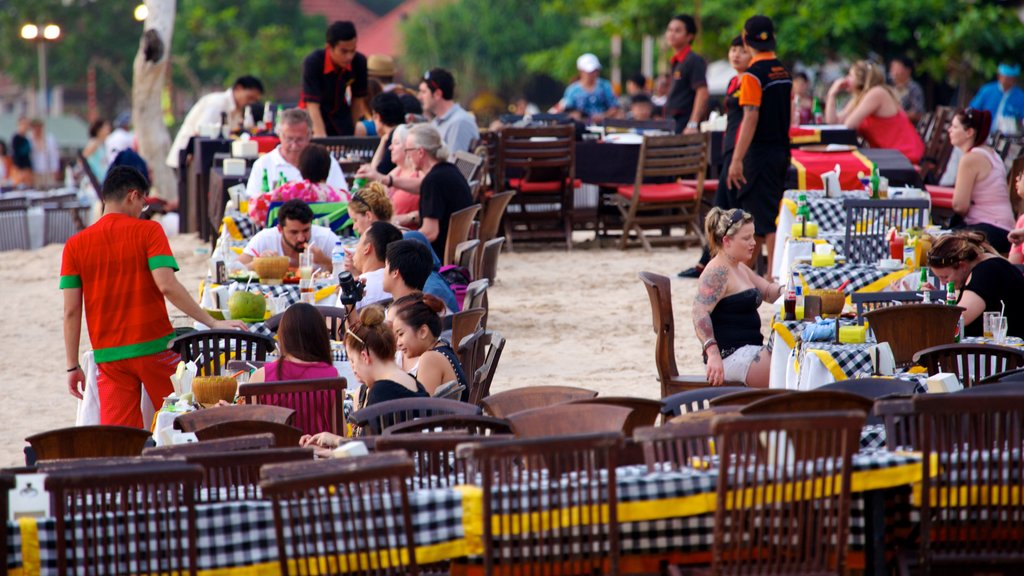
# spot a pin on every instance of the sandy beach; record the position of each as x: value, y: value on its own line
x: 578, y: 318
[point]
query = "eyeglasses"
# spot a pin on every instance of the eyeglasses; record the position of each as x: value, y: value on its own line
x: 299, y: 140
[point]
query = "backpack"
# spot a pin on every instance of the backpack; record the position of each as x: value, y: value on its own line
x: 458, y: 279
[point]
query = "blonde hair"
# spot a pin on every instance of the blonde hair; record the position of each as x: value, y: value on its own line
x: 373, y: 198
x: 868, y: 75
x: 427, y: 137
x: 719, y: 224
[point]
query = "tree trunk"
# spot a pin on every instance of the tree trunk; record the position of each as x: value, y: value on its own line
x: 150, y: 71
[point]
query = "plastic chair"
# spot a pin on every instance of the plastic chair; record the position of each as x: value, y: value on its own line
x: 485, y: 374
x: 489, y: 259
x: 218, y: 347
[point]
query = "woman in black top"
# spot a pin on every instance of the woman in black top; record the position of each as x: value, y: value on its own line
x: 725, y: 314
x: 416, y: 319
x: 986, y: 280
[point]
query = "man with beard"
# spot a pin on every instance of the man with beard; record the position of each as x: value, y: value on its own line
x: 293, y: 234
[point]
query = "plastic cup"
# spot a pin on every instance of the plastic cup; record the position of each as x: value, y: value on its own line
x: 999, y: 329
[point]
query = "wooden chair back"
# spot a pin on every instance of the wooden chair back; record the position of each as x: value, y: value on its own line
x: 63, y: 220
x: 504, y: 404
x: 252, y: 442
x: 868, y: 301
x: 437, y: 463
x: 489, y: 259
x: 376, y: 418
x: 937, y: 147
x: 475, y: 424
x: 216, y: 347
x: 542, y: 464
x: 476, y: 297
x: 465, y: 323
x: 745, y: 397
x: 924, y: 124
x: 493, y: 212
x: 235, y: 475
x: 285, y: 436
x: 319, y: 404
x: 459, y: 225
x: 88, y: 442
x: 676, y: 445
x: 113, y: 508
x: 873, y: 388
x: 645, y: 411
x: 485, y: 374
x: 334, y: 316
x: 659, y: 291
x: 913, y: 327
x: 193, y: 421
x: 868, y: 223
x: 371, y: 494
x: 466, y: 255
x: 451, y: 390
x: 83, y: 162
x: 567, y: 419
x: 472, y: 353
x: 901, y: 423
x: 694, y: 400
x: 14, y: 233
x: 811, y: 401
x: 471, y: 167
x: 970, y: 362
x: 756, y: 452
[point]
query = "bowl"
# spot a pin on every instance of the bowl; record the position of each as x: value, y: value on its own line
x: 208, y: 390
x: 832, y: 301
x: 271, y: 269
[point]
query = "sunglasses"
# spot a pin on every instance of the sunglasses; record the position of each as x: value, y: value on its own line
x: 430, y: 83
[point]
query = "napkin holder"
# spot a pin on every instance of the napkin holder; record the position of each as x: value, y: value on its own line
x: 823, y: 260
x: 234, y: 166
x: 812, y: 307
x: 350, y: 449
x: 244, y: 149
x: 28, y: 498
x: 804, y: 230
x: 830, y: 180
x: 852, y: 334
x: 943, y: 382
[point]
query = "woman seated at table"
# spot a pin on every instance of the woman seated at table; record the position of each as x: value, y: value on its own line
x: 370, y: 204
x: 874, y: 111
x: 315, y: 166
x: 981, y: 199
x: 987, y: 282
x: 405, y: 200
x: 416, y: 320
x: 725, y: 316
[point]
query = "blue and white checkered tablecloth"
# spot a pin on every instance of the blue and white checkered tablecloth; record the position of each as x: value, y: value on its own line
x: 855, y: 360
x: 831, y: 277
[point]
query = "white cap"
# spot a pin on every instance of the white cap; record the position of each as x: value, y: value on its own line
x: 588, y: 63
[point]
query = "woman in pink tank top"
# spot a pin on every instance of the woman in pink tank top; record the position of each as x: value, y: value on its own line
x: 874, y: 111
x: 981, y: 197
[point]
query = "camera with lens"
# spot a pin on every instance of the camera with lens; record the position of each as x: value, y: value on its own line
x: 351, y: 290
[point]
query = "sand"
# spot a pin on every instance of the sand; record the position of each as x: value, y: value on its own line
x: 578, y: 318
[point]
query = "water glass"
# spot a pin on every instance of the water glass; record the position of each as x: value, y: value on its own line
x: 999, y: 329
x: 988, y: 324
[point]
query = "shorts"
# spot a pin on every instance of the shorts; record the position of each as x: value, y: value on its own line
x: 738, y: 363
x: 765, y: 168
x: 120, y: 382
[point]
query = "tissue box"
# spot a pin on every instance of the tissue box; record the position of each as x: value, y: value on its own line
x: 798, y: 230
x: 350, y: 449
x: 245, y: 149
x: 852, y: 334
x: 821, y: 260
x: 943, y: 382
x: 234, y: 166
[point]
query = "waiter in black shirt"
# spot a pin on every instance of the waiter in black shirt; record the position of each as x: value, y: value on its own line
x: 761, y: 156
x: 334, y: 83
x: 688, y: 97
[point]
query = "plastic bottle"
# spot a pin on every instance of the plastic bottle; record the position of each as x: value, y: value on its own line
x: 337, y: 259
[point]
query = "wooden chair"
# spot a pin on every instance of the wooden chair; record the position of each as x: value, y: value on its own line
x: 459, y: 225
x: 14, y: 233
x: 867, y: 301
x: 868, y: 223
x: 217, y: 347
x: 475, y: 424
x: 912, y: 327
x: 476, y: 297
x: 193, y: 421
x: 746, y: 396
x: 645, y: 412
x: 485, y: 374
x: 970, y: 362
x: 370, y: 493
x: 489, y: 259
x: 471, y: 167
x: 807, y: 536
x: 656, y: 199
x: 492, y: 213
x: 97, y: 186
x: 319, y: 404
x: 901, y: 423
x: 659, y: 291
x: 1008, y: 387
x: 809, y: 401
x: 675, y: 446
x: 540, y: 463
x: 873, y: 388
x: 285, y: 436
x: 88, y: 442
x: 970, y: 511
x: 62, y: 221
x: 235, y: 475
x: 434, y: 454
x: 503, y: 404
x: 466, y: 255
x: 567, y: 419
x: 114, y: 508
x: 334, y: 316
x: 1015, y: 375
x: 694, y: 400
x: 937, y: 147
x: 539, y: 164
x: 251, y: 442
x: 465, y: 323
x: 376, y: 418
x: 472, y: 354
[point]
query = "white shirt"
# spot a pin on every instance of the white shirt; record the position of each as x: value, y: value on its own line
x: 206, y: 111
x: 270, y: 239
x: 374, y: 290
x: 275, y: 163
x: 45, y: 158
x: 117, y: 141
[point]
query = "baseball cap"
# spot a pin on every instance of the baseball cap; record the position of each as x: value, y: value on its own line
x: 1011, y: 70
x: 588, y: 63
x: 759, y: 33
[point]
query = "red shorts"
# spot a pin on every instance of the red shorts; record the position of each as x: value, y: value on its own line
x: 119, y: 386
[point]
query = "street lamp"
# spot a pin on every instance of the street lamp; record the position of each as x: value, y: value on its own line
x: 48, y: 33
x: 141, y: 12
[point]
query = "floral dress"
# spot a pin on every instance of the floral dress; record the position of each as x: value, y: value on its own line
x: 300, y: 190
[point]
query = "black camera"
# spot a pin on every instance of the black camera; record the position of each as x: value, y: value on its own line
x: 351, y: 289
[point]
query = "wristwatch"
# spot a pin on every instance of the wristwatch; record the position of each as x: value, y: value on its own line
x: 691, y: 124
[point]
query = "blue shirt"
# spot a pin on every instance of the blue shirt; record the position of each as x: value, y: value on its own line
x: 990, y: 95
x: 599, y: 101
x: 436, y: 285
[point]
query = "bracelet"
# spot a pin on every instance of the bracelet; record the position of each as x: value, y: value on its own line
x: 707, y: 344
x: 691, y: 124
x: 77, y: 367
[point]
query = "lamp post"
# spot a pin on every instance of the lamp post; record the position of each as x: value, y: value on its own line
x: 42, y: 35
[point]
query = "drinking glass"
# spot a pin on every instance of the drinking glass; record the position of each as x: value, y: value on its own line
x: 306, y: 264
x: 999, y: 329
x: 988, y: 324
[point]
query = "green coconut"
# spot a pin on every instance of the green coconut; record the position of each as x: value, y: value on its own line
x: 247, y: 305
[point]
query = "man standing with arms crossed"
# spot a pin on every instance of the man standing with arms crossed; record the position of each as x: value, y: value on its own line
x: 761, y: 157
x: 334, y: 83
x: 688, y: 97
x: 122, y: 268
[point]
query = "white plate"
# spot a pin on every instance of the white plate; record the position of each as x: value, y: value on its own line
x: 624, y: 138
x: 889, y: 268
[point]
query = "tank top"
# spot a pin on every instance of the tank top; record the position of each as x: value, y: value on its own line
x: 894, y: 132
x: 736, y: 322
x: 446, y: 350
x: 310, y: 421
x: 990, y: 198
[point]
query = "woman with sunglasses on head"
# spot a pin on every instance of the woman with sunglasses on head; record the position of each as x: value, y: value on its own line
x: 725, y: 316
x: 981, y: 198
x: 403, y: 182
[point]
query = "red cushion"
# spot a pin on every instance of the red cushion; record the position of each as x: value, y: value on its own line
x: 546, y: 186
x: 671, y: 192
x: 266, y: 143
x: 942, y: 196
x: 710, y: 186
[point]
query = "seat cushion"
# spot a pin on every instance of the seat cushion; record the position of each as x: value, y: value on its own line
x: 710, y: 185
x: 942, y: 196
x: 549, y: 186
x: 671, y: 192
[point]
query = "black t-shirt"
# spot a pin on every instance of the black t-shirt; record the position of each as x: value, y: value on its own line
x: 325, y: 83
x: 443, y: 192
x: 21, y: 152
x: 768, y: 85
x: 996, y: 281
x: 386, y: 164
x: 733, y: 115
x: 688, y: 74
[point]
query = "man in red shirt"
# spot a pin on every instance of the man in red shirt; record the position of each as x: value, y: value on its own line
x: 122, y: 268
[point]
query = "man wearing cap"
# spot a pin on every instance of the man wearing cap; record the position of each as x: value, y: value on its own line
x: 761, y: 156
x: 591, y: 95
x: 457, y: 127
x: 688, y: 97
x: 334, y: 83
x: 1003, y: 99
